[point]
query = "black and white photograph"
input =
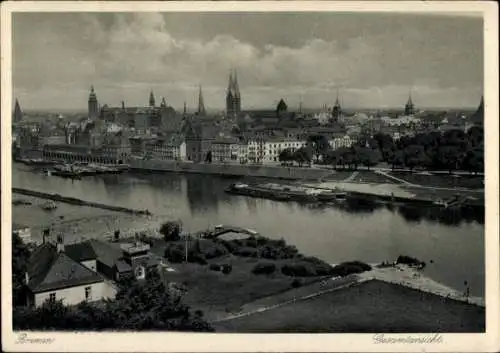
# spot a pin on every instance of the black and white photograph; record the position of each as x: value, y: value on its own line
x: 248, y: 171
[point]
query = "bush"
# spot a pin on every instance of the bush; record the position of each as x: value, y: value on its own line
x: 171, y: 230
x: 347, y: 268
x: 247, y: 252
x: 321, y: 267
x: 226, y: 268
x: 214, y: 267
x: 265, y: 268
x: 251, y: 242
x: 214, y: 250
x: 230, y: 245
x: 175, y: 253
x: 296, y: 283
x: 197, y: 259
x: 298, y: 269
x: 410, y: 261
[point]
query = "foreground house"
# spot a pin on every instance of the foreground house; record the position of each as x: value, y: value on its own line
x: 85, y: 271
x: 52, y: 274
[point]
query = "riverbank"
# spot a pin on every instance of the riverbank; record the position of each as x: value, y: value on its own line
x: 78, y: 202
x: 254, y: 171
x: 345, y: 191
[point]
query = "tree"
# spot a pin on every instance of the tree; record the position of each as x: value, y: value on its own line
x: 319, y: 145
x: 368, y: 157
x: 302, y: 155
x: 286, y: 156
x: 171, y: 230
x: 414, y: 155
x: 20, y: 257
x: 474, y: 160
x: 396, y: 158
x: 449, y: 156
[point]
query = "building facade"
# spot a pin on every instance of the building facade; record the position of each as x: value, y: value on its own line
x: 169, y: 148
x: 225, y: 150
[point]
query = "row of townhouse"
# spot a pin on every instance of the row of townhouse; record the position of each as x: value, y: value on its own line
x: 227, y: 149
x: 264, y: 150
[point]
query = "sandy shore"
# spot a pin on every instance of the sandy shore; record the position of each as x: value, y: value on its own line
x: 412, y: 278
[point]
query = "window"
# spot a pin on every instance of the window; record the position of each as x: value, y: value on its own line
x: 88, y: 293
x: 52, y: 297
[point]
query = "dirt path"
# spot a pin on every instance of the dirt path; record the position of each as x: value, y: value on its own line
x: 351, y: 177
x: 399, y: 180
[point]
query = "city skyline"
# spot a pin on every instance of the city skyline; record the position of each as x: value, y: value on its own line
x: 374, y: 59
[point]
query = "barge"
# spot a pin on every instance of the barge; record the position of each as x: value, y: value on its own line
x: 310, y: 194
x: 286, y: 192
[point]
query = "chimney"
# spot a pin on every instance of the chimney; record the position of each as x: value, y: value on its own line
x: 60, y: 244
x: 26, y: 278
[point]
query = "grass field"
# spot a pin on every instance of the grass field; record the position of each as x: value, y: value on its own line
x: 442, y: 180
x: 370, y: 307
x: 218, y: 294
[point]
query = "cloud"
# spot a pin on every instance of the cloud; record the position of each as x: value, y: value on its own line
x: 129, y: 54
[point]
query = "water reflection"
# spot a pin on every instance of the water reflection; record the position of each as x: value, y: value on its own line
x: 361, y: 230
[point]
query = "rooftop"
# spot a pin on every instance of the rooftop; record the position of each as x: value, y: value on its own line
x: 49, y: 269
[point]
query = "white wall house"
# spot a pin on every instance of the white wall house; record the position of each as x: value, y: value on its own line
x: 341, y: 141
x: 76, y: 294
x: 54, y: 275
x: 273, y: 148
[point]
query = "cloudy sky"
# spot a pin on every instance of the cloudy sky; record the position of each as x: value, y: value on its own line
x: 375, y: 59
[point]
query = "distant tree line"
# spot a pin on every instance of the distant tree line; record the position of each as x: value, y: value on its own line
x: 450, y: 150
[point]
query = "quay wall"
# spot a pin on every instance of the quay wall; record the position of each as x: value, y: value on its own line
x: 75, y: 201
x: 292, y: 173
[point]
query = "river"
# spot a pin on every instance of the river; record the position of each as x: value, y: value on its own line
x: 451, y: 244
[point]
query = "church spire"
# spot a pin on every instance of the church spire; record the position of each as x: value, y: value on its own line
x: 151, y: 99
x: 230, y: 82
x: 409, y: 107
x: 201, y: 103
x: 337, y: 102
x: 235, y: 82
x: 163, y: 104
x: 18, y: 113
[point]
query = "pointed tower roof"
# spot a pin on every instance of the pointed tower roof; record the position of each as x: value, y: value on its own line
x: 478, y: 116
x: 18, y: 113
x: 163, y: 103
x: 236, y: 87
x: 92, y: 95
x: 410, y: 102
x: 230, y: 83
x: 337, y: 102
x: 201, y: 103
x: 151, y: 99
x: 281, y: 107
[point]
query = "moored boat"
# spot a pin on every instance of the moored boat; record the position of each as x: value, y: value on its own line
x: 49, y: 206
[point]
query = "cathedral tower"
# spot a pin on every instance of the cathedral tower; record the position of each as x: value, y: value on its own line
x: 93, y: 105
x: 409, y: 107
x: 233, y: 97
x: 337, y: 109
